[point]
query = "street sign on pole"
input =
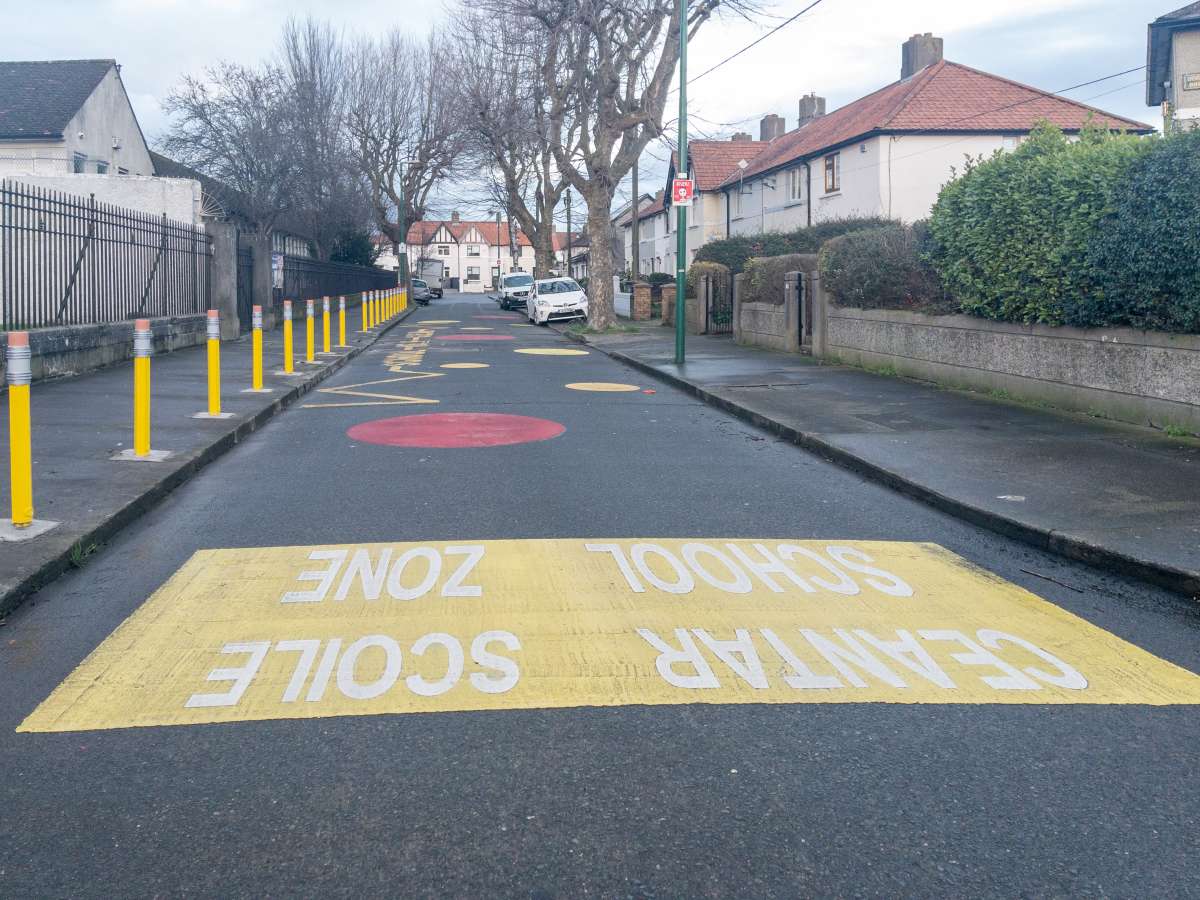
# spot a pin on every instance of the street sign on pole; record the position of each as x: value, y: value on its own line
x: 682, y: 191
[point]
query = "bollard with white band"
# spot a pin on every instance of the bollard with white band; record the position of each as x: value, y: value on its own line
x: 214, y: 369
x: 325, y: 325
x: 20, y: 441
x: 256, y: 353
x: 341, y: 322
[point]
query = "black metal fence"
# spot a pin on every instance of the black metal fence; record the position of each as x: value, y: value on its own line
x: 304, y: 278
x: 67, y: 260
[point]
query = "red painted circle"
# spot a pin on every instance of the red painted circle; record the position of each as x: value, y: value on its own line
x: 444, y: 430
x: 475, y: 337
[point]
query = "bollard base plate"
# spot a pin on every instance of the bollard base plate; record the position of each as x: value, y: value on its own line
x: 152, y: 456
x: 286, y: 374
x: 10, y: 534
x: 205, y: 415
x: 258, y: 390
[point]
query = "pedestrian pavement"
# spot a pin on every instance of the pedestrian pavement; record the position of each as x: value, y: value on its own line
x: 1119, y: 496
x: 80, y: 422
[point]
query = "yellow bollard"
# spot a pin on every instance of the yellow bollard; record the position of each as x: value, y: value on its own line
x: 288, y: 361
x: 256, y: 383
x: 20, y: 443
x: 143, y: 346
x: 341, y: 321
x: 214, y: 363
x: 369, y: 301
x: 363, y: 309
x: 325, y: 325
x: 309, y: 326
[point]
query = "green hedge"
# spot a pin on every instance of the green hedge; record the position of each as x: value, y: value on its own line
x: 764, y: 277
x: 715, y: 270
x: 885, y: 268
x: 1011, y: 237
x: 1146, y: 254
x: 734, y: 252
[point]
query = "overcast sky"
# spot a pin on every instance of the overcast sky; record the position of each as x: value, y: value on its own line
x: 842, y: 50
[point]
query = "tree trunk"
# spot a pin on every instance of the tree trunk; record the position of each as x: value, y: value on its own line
x: 543, y: 250
x: 600, y: 264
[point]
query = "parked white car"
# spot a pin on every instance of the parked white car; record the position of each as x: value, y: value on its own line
x: 556, y: 299
x: 514, y: 290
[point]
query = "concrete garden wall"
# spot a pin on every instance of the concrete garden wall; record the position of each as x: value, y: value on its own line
x: 73, y: 349
x: 1132, y: 376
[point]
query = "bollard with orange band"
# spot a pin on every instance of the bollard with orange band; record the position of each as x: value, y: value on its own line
x: 20, y: 441
x: 256, y: 354
x: 341, y: 322
x: 288, y: 350
x: 325, y: 325
x: 214, y: 369
x: 309, y: 333
x: 143, y: 347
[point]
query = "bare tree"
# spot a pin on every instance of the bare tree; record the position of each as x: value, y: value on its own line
x: 499, y: 79
x: 606, y: 72
x: 401, y: 123
x: 231, y: 125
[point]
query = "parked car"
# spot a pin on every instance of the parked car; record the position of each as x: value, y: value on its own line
x: 514, y: 290
x: 556, y: 299
x: 420, y: 292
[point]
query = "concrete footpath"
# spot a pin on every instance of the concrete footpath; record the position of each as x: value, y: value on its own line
x: 1118, y: 496
x: 80, y: 422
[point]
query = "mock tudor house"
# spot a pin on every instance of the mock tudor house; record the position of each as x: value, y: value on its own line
x: 889, y: 153
x: 473, y: 252
x: 70, y: 116
x: 1173, y: 67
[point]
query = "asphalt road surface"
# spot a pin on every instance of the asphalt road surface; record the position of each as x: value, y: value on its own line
x: 550, y: 782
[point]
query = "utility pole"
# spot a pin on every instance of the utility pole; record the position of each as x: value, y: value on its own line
x: 681, y: 242
x: 499, y: 265
x: 635, y: 236
x: 568, y: 196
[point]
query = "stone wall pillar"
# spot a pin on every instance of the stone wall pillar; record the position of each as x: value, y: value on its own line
x: 263, y: 293
x: 668, y: 304
x: 223, y: 287
x: 641, y: 302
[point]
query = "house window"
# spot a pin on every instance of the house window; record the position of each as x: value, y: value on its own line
x: 78, y: 161
x: 443, y: 250
x: 121, y: 170
x: 472, y: 273
x: 795, y: 185
x: 737, y: 202
x: 101, y: 168
x: 472, y: 250
x: 833, y: 173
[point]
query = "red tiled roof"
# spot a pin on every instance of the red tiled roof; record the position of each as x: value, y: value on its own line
x: 946, y: 97
x: 714, y: 161
x: 560, y: 239
x: 421, y: 233
x: 649, y: 210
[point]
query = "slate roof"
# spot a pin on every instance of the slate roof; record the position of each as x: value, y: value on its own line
x: 38, y: 99
x: 946, y: 98
x: 648, y: 211
x: 1158, y: 49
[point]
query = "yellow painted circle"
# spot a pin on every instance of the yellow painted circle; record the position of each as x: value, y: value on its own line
x: 474, y: 328
x: 463, y: 366
x: 550, y: 351
x: 604, y: 387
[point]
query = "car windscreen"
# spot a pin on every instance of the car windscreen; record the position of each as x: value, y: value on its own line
x: 518, y: 281
x: 557, y: 287
x: 417, y: 282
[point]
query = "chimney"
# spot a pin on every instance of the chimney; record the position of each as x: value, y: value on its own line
x: 455, y: 217
x: 919, y: 51
x: 771, y: 127
x: 811, y: 107
x: 742, y: 136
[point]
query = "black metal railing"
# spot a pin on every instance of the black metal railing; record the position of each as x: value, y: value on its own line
x: 304, y: 278
x: 68, y: 260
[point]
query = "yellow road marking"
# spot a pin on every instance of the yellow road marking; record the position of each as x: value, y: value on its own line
x: 439, y: 322
x: 376, y: 398
x: 474, y: 328
x: 550, y: 351
x: 302, y: 632
x: 602, y: 386
x: 464, y: 366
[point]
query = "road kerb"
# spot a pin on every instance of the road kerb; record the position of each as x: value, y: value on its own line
x: 1180, y: 581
